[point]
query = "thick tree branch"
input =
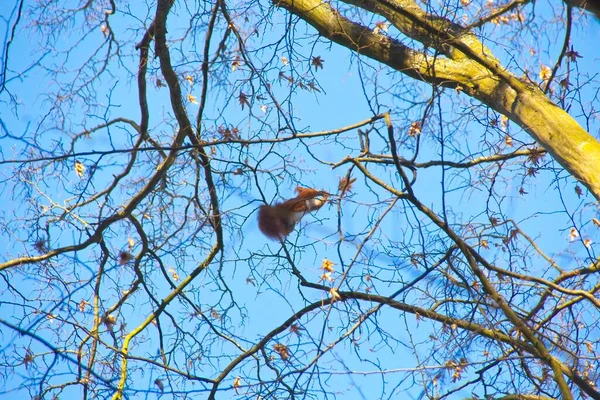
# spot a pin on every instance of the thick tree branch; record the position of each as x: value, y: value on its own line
x: 479, y: 74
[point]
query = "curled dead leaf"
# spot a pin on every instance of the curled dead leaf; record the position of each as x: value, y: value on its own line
x: 282, y: 350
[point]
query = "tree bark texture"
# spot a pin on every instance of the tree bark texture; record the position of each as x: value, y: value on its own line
x: 463, y: 63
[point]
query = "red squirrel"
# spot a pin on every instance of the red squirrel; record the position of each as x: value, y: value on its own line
x: 279, y: 220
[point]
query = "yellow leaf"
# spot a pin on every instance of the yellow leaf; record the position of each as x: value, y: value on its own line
x: 381, y: 26
x: 415, y: 129
x: 235, y: 64
x: 83, y: 305
x: 334, y: 294
x: 79, y: 169
x: 545, y: 72
x: 573, y: 234
x: 327, y: 265
x: 174, y: 274
x: 282, y: 350
x: 192, y: 98
x: 237, y: 382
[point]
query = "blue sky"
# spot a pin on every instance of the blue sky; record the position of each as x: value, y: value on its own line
x: 545, y: 213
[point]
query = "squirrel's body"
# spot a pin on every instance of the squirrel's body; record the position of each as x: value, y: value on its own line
x: 279, y: 220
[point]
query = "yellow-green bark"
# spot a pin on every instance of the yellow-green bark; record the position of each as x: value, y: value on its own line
x: 467, y: 65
